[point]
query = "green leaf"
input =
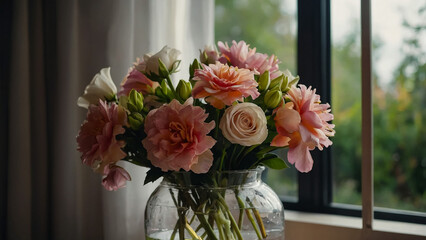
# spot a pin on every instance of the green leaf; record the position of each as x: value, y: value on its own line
x: 274, y: 163
x: 153, y: 174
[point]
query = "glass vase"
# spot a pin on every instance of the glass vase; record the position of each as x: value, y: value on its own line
x: 219, y: 205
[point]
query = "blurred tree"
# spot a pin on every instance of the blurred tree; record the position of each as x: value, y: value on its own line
x: 400, y: 113
x: 399, y: 107
x: 267, y: 25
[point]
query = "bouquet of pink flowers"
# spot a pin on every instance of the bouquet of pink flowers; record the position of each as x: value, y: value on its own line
x: 234, y: 110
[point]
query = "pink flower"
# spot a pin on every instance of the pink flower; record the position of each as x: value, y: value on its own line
x: 222, y: 85
x: 302, y: 124
x: 237, y: 54
x: 115, y: 177
x: 177, y: 137
x: 138, y: 81
x: 240, y: 55
x: 97, y: 137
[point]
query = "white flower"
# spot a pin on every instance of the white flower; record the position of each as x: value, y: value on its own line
x: 169, y: 56
x: 101, y: 87
x: 244, y: 124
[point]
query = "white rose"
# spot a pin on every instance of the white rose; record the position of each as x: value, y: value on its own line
x: 244, y: 124
x: 101, y: 87
x: 169, y: 56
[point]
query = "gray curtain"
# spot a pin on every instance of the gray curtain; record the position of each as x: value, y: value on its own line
x: 55, y: 50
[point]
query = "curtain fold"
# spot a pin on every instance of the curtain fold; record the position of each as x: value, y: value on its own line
x: 57, y: 48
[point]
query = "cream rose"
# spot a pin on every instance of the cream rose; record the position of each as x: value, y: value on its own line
x: 169, y: 56
x: 244, y: 124
x: 101, y: 87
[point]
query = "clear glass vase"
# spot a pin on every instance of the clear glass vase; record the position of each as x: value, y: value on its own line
x: 220, y: 205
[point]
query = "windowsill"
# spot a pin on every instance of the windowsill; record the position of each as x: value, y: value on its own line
x: 353, y: 223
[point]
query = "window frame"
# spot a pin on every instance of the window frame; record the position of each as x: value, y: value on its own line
x: 314, y: 64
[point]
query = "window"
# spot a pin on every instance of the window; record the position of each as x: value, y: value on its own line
x: 330, y: 60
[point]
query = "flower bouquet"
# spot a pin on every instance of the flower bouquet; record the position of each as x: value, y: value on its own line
x: 213, y: 131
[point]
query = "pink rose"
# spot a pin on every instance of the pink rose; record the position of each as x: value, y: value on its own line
x: 302, y: 124
x: 177, y: 137
x: 97, y: 137
x: 240, y: 55
x: 138, y: 81
x: 115, y: 177
x: 222, y: 85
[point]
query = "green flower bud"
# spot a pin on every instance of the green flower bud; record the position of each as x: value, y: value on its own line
x: 135, y: 120
x: 159, y: 93
x: 276, y: 83
x: 289, y: 80
x: 166, y: 89
x: 135, y: 101
x: 195, y: 65
x: 162, y: 69
x: 184, y: 89
x: 273, y: 98
x: 264, y: 81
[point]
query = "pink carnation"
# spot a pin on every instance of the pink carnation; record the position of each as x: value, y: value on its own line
x: 240, y: 55
x: 222, y: 85
x: 97, y: 137
x: 302, y: 124
x: 138, y: 81
x: 177, y: 137
x: 115, y: 177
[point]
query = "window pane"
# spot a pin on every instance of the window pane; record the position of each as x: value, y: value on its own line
x: 399, y: 65
x: 346, y: 100
x: 270, y: 26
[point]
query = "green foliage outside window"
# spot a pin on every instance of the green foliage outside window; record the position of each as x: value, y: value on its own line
x: 399, y: 107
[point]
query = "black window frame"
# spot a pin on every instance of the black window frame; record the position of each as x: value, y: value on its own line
x: 315, y: 190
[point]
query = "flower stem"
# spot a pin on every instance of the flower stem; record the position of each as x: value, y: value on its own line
x: 253, y: 223
x: 172, y: 237
x: 191, y: 231
x: 219, y: 226
x: 222, y: 158
x: 181, y: 226
x: 259, y: 222
x: 231, y: 217
x: 242, y: 207
x: 169, y: 82
x: 200, y: 217
x: 258, y: 219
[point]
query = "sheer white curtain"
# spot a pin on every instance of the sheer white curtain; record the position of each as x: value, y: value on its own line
x: 56, y: 50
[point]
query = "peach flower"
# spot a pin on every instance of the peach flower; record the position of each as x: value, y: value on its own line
x: 177, y: 137
x: 240, y: 55
x: 97, y: 137
x: 138, y: 81
x: 222, y: 85
x: 115, y: 177
x: 302, y: 125
x: 244, y: 124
